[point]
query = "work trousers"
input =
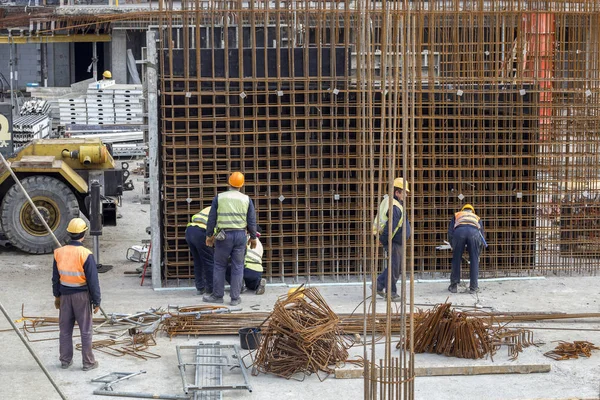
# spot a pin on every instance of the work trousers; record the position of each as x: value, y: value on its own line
x: 203, y: 258
x: 233, y: 246
x: 75, y: 307
x: 397, y: 255
x: 251, y: 278
x: 469, y: 236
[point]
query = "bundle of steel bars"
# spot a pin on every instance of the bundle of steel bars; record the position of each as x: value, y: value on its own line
x: 302, y: 336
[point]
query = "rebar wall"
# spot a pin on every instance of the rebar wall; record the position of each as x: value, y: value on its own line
x: 505, y: 108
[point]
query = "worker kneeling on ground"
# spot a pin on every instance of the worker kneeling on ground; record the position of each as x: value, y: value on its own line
x: 203, y: 256
x: 253, y: 268
x: 465, y: 229
x: 76, y: 290
x: 380, y: 227
x: 231, y: 217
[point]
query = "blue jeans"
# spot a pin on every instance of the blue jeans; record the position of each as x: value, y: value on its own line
x: 233, y: 246
x: 397, y: 255
x: 203, y: 257
x: 470, y: 237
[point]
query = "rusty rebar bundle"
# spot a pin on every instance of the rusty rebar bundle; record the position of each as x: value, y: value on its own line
x: 302, y: 336
x: 443, y: 330
x: 568, y: 351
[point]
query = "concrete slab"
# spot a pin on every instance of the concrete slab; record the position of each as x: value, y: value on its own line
x: 25, y: 279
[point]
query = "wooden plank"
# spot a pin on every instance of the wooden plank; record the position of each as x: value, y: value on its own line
x: 355, y: 373
x: 34, y: 161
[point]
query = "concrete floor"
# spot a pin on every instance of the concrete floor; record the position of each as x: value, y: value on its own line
x: 25, y: 279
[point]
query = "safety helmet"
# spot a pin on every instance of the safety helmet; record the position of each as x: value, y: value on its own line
x: 399, y: 183
x: 294, y: 290
x: 77, y: 226
x: 467, y: 206
x: 236, y: 180
x: 107, y: 74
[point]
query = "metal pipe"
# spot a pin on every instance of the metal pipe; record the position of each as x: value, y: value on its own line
x: 36, y: 358
x: 140, y: 395
x: 11, y: 62
x: 37, y: 212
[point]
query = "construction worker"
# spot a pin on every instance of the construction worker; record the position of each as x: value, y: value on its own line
x: 381, y: 228
x: 253, y: 268
x: 231, y: 217
x: 76, y: 291
x: 106, y: 75
x: 195, y: 236
x: 465, y: 229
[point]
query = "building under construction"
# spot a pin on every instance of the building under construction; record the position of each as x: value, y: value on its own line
x: 322, y: 104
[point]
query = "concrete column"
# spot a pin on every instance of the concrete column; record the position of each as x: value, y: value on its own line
x: 118, y: 52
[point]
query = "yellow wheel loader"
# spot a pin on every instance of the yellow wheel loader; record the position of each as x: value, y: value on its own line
x: 57, y: 174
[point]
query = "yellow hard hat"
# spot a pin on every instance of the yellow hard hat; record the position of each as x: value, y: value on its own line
x: 294, y: 290
x: 399, y: 183
x: 470, y: 207
x: 236, y: 180
x: 107, y: 74
x: 77, y: 226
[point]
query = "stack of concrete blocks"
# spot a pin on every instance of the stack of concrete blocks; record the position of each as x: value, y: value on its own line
x: 72, y: 110
x: 100, y: 105
x: 114, y: 104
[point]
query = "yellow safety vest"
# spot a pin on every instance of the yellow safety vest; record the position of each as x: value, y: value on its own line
x: 381, y: 218
x: 200, y: 219
x: 232, y: 210
x: 466, y: 218
x: 69, y: 262
x: 253, y: 259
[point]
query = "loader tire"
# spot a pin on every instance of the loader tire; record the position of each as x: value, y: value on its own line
x: 22, y: 228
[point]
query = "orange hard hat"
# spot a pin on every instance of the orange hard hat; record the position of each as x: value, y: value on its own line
x: 236, y: 180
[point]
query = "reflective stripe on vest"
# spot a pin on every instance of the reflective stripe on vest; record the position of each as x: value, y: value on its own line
x: 200, y: 219
x: 253, y: 259
x: 69, y: 262
x: 466, y: 218
x: 232, y: 210
x: 381, y: 218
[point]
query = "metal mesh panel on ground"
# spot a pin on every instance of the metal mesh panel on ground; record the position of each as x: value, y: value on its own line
x: 501, y: 111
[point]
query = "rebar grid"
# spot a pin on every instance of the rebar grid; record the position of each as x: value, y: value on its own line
x: 505, y: 118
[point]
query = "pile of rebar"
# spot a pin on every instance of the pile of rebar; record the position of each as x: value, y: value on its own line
x: 568, y: 351
x: 443, y: 330
x: 302, y: 336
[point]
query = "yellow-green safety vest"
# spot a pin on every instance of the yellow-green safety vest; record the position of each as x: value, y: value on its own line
x: 200, y: 219
x: 253, y: 259
x: 232, y: 210
x: 466, y: 218
x: 381, y: 218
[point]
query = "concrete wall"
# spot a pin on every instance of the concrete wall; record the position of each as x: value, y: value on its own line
x: 28, y: 64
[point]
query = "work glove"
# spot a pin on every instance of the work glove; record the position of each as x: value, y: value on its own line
x: 57, y: 303
x: 210, y: 241
x: 96, y: 309
x: 252, y: 243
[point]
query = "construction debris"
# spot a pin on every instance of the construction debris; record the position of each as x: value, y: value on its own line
x: 568, y: 351
x: 302, y: 336
x: 355, y: 373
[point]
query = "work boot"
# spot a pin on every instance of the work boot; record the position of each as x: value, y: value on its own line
x: 89, y: 367
x: 380, y: 292
x: 452, y: 288
x: 200, y: 292
x: 212, y: 299
x: 65, y: 365
x: 473, y: 291
x: 395, y: 297
x: 261, y: 286
x: 235, y: 302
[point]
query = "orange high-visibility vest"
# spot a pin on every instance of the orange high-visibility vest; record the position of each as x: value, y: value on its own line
x: 69, y: 261
x: 466, y: 218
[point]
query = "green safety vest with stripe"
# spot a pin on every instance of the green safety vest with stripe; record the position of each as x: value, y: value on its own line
x: 232, y: 210
x: 200, y: 219
x: 381, y: 218
x: 253, y: 259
